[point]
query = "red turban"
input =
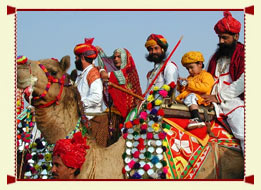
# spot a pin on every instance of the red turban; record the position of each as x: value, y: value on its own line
x: 156, y: 39
x: 228, y: 24
x: 71, y: 151
x: 86, y: 49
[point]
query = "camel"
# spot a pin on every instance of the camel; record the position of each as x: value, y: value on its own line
x: 58, y: 119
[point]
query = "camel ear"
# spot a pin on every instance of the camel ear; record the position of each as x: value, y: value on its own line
x: 65, y: 63
x: 73, y: 75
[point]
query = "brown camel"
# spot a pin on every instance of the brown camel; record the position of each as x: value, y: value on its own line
x: 59, y: 119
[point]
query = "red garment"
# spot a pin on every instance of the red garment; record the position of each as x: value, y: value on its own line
x: 227, y: 24
x: 122, y: 101
x: 237, y: 64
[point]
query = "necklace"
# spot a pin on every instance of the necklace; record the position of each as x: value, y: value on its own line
x: 222, y: 65
x: 155, y: 69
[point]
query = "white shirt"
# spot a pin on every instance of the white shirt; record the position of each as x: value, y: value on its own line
x: 169, y: 74
x: 91, y: 96
x: 226, y: 90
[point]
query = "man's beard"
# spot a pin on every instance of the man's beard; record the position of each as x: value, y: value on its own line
x: 156, y: 58
x: 226, y: 50
x: 78, y: 65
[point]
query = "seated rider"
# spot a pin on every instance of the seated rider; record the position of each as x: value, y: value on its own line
x: 120, y: 69
x: 197, y: 83
x: 157, y: 47
x: 90, y: 87
x: 89, y: 83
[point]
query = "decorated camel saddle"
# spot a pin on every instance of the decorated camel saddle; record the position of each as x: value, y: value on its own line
x: 152, y: 144
x: 158, y: 145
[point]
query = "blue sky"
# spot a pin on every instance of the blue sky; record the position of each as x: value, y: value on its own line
x: 54, y: 34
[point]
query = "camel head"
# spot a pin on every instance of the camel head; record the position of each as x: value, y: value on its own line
x: 34, y: 76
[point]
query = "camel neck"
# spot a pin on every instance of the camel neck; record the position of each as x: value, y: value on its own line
x: 57, y: 121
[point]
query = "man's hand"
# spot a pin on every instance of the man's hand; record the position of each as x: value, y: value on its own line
x: 104, y: 75
x: 99, y: 49
x: 209, y: 98
x: 181, y: 78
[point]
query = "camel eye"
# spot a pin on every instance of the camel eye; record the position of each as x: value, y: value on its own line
x: 53, y: 73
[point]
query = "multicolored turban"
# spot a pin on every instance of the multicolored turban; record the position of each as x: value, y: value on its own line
x: 156, y: 39
x: 21, y: 60
x: 192, y: 57
x: 86, y: 49
x: 228, y: 24
x: 71, y: 151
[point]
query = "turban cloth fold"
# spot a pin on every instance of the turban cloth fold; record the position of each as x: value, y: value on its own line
x: 228, y: 24
x: 21, y: 60
x: 86, y: 49
x: 71, y: 151
x: 192, y: 57
x: 156, y: 39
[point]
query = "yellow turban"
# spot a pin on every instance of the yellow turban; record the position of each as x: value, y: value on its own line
x: 192, y: 57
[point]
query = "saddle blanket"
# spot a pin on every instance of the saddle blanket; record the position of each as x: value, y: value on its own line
x: 187, y: 150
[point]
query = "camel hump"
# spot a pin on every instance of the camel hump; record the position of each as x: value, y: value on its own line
x: 93, y: 75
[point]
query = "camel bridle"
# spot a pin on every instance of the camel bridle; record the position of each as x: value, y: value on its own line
x: 51, y: 80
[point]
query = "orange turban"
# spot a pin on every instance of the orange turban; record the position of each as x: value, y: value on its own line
x: 71, y: 151
x: 228, y: 24
x: 86, y: 49
x: 156, y: 39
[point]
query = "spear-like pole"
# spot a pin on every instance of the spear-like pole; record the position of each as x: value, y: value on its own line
x: 162, y: 68
x: 125, y: 90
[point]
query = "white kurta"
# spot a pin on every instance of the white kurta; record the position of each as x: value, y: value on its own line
x: 169, y: 74
x: 91, y: 96
x: 227, y: 92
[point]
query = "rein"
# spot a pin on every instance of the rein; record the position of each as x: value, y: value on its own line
x: 51, y: 80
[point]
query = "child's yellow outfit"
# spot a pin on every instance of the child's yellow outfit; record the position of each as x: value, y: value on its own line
x: 199, y: 84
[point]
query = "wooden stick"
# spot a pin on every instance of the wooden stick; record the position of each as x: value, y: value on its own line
x: 125, y: 90
x: 21, y: 166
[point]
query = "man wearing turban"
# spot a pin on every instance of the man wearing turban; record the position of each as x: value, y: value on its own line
x: 227, y: 67
x: 68, y: 157
x: 89, y: 83
x: 157, y: 47
x: 90, y: 87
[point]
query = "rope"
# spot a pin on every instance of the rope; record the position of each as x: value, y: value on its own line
x: 215, y: 157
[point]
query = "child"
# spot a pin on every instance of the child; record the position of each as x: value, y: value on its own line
x: 198, y: 82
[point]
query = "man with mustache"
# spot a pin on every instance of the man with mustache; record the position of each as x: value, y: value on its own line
x: 227, y: 68
x: 157, y: 47
x: 89, y: 83
x: 90, y: 87
x: 68, y: 157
